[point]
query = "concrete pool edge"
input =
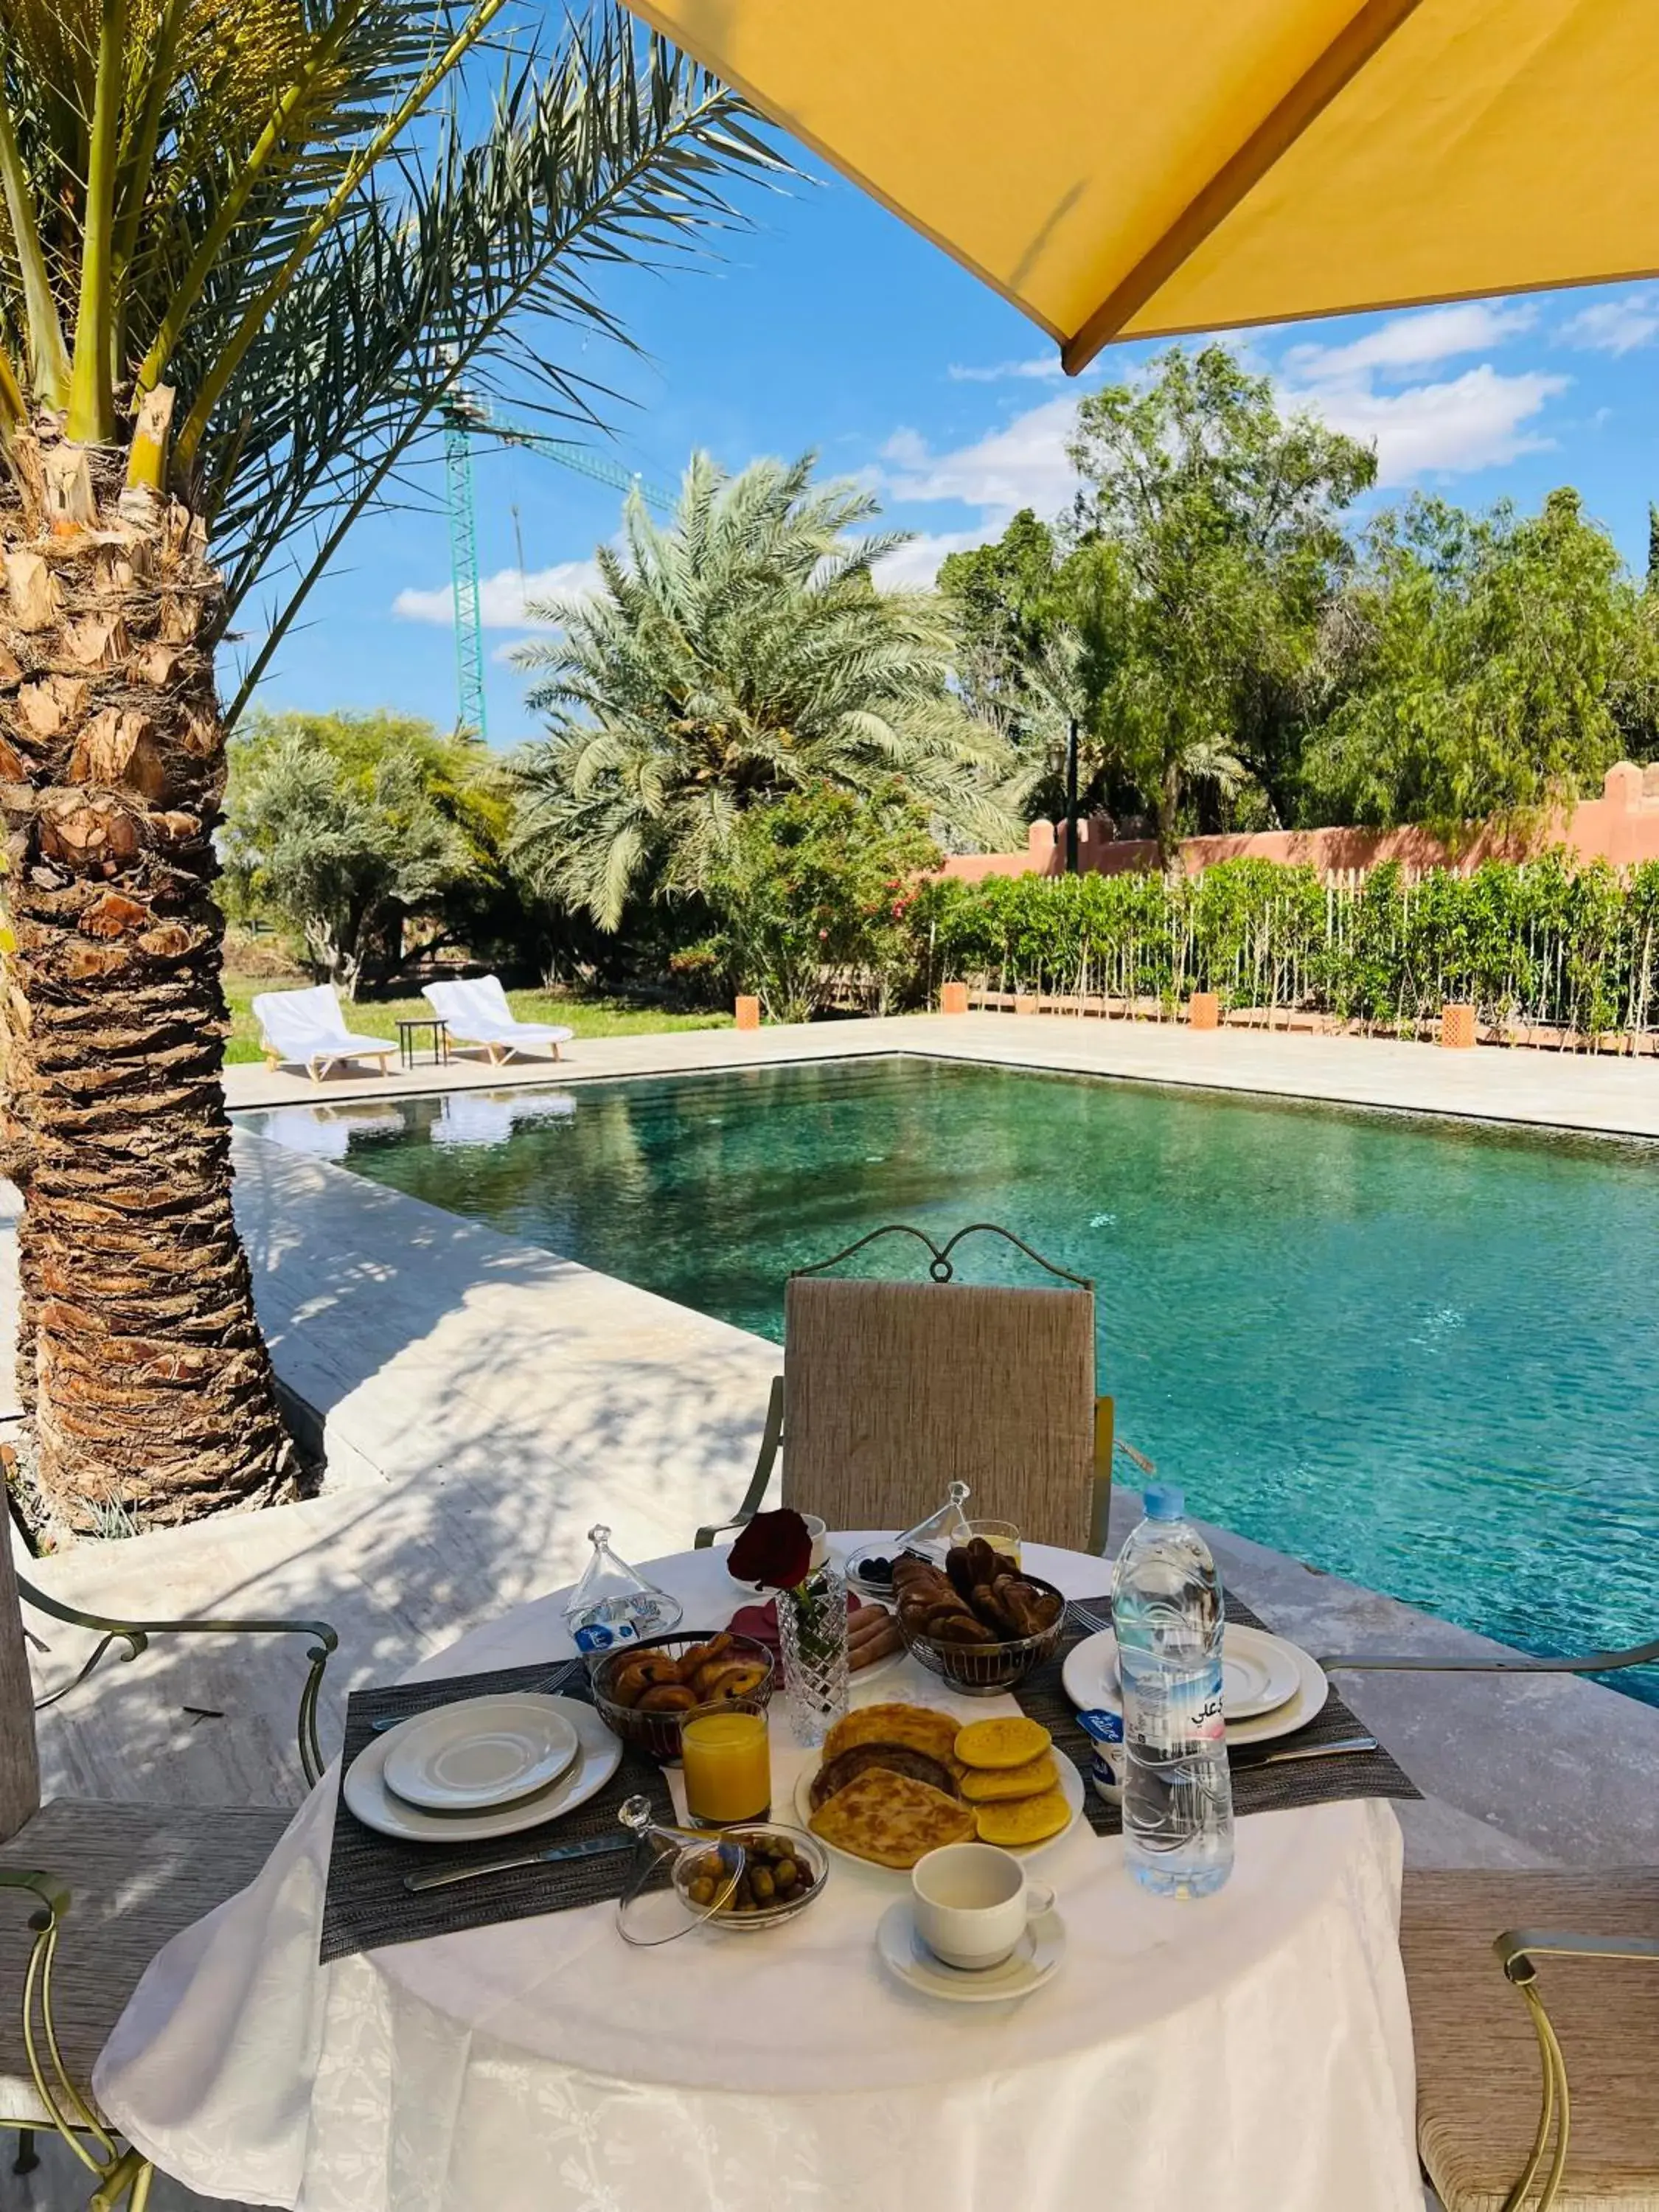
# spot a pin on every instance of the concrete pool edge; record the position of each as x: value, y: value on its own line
x: 1595, y: 1097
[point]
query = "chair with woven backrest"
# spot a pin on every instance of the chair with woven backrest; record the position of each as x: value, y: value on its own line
x: 96, y: 1888
x: 891, y: 1390
x: 1536, y: 2089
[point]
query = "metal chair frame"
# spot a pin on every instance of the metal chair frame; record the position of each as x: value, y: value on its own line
x: 1518, y: 1952
x: 136, y: 1635
x: 1520, y: 1662
x: 120, y: 2176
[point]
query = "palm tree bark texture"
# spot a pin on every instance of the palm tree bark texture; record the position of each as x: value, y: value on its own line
x: 140, y: 1354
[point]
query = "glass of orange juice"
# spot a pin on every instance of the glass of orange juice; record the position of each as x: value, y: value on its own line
x: 1001, y: 1535
x: 726, y: 1758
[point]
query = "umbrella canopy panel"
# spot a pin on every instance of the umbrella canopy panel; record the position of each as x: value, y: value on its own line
x: 1137, y: 169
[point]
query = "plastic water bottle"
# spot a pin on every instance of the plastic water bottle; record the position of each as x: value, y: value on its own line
x: 1177, y: 1792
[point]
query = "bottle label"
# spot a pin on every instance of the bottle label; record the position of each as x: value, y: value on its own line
x: 601, y: 1636
x: 1166, y: 1715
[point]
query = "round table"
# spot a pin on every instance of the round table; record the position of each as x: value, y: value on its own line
x: 1252, y: 2049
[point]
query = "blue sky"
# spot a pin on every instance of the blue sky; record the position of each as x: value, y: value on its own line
x: 833, y: 326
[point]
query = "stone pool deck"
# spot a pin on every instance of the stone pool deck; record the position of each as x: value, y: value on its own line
x: 1604, y: 1094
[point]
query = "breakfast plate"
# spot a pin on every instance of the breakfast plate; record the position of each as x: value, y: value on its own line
x: 1070, y: 1786
x: 481, y: 1753
x: 366, y: 1793
x: 1090, y: 1676
x: 1034, y: 1959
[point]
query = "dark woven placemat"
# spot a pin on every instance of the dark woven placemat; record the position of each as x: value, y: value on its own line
x: 366, y: 1905
x: 1256, y: 1788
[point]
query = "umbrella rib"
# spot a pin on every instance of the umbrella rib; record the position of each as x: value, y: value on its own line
x: 1360, y: 39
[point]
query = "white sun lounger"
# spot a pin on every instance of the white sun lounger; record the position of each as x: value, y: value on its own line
x: 307, y: 1029
x: 477, y: 1012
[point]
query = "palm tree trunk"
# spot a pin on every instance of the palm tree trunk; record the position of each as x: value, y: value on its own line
x: 141, y: 1353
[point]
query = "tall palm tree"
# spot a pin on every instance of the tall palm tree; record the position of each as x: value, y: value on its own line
x: 739, y: 653
x: 247, y: 252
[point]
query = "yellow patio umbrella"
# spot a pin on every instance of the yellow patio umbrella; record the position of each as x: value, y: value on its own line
x: 1136, y: 168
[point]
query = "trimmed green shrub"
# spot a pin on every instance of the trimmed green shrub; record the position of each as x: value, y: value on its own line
x: 1538, y: 942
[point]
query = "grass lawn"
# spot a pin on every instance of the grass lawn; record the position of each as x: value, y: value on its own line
x: 589, y: 1017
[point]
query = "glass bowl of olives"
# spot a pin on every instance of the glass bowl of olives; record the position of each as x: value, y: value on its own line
x: 784, y: 1869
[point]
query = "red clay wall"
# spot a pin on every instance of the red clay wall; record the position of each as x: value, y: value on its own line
x: 1622, y: 826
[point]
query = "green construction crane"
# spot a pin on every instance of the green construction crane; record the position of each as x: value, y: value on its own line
x: 464, y: 419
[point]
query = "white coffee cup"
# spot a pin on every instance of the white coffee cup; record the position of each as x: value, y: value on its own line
x: 971, y: 1903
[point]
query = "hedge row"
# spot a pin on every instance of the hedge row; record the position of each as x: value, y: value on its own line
x: 1536, y: 942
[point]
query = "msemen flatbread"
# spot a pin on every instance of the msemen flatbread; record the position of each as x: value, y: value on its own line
x: 892, y: 1819
x: 925, y: 1727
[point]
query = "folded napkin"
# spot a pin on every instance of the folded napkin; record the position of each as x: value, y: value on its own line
x: 760, y: 1622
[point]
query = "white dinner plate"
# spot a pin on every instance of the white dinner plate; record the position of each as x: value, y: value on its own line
x: 1072, y: 1788
x: 368, y: 1796
x: 1259, y: 1672
x: 1090, y: 1677
x: 481, y: 1753
x: 1034, y: 1958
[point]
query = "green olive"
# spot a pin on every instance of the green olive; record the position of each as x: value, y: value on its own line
x: 785, y: 1876
x: 702, y: 1891
x: 761, y: 1885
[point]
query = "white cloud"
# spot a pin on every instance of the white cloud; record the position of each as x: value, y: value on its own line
x: 914, y: 566
x: 1475, y: 421
x: 1046, y: 366
x: 1482, y: 418
x: 503, y: 598
x: 1412, y: 340
x: 1022, y: 465
x: 1616, y: 327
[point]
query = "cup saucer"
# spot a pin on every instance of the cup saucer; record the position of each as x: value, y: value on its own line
x: 1033, y: 1959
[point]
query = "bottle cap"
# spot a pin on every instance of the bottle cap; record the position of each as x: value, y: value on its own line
x: 1163, y: 1502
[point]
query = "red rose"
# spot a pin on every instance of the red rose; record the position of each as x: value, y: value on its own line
x: 774, y: 1552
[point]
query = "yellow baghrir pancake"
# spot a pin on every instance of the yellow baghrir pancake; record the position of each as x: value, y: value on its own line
x: 982, y: 1785
x: 892, y: 1819
x: 924, y: 1728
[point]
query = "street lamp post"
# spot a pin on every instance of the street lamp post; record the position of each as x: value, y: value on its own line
x: 1070, y: 797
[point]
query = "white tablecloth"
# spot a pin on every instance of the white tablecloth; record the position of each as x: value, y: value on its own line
x: 1252, y: 2050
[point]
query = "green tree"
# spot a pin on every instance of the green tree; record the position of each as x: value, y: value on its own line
x: 343, y: 827
x: 821, y: 881
x: 1208, y: 545
x: 246, y: 253
x: 1487, y: 653
x: 1004, y: 597
x: 728, y: 658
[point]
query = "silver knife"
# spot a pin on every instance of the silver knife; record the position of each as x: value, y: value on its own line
x: 1348, y: 1743
x: 590, y: 1847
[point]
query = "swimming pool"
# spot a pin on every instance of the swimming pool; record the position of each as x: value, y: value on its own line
x: 1420, y: 1354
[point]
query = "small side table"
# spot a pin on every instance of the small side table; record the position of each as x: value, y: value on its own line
x: 407, y: 1031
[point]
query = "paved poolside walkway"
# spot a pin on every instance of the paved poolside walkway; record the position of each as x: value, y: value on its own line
x: 1493, y: 1082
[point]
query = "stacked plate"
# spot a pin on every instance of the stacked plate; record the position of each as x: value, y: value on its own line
x: 1269, y: 1688
x: 482, y: 1767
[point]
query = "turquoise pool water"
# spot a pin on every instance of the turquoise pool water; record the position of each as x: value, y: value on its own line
x: 1419, y: 1353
